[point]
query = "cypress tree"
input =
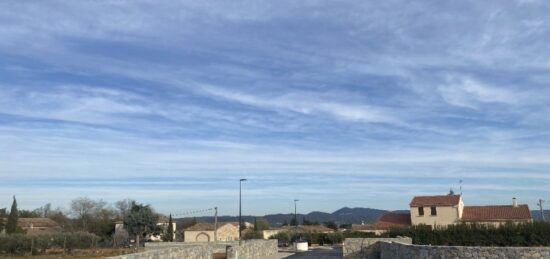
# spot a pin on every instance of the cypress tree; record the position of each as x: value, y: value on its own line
x: 11, y: 226
x: 170, y: 229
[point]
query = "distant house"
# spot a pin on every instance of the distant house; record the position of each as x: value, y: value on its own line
x: 39, y: 226
x: 164, y: 224
x: 119, y: 229
x: 384, y: 223
x: 205, y: 232
x: 443, y: 210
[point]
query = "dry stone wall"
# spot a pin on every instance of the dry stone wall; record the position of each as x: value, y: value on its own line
x: 367, y: 248
x: 253, y: 249
x: 249, y: 249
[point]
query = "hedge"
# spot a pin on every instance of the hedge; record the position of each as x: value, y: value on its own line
x: 22, y: 244
x: 510, y: 234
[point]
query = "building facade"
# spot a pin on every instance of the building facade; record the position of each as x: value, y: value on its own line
x: 444, y: 210
x: 204, y: 232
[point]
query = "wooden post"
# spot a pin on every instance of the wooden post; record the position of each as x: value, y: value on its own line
x: 137, y: 242
x: 216, y: 224
x: 64, y: 244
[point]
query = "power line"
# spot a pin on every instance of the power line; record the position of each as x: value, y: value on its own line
x: 193, y: 212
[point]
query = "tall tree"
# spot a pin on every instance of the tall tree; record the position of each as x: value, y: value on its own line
x: 169, y: 234
x: 141, y: 221
x: 86, y: 209
x: 11, y: 225
x: 123, y: 207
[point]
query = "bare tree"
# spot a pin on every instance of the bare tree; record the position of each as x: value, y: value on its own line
x: 124, y: 207
x: 85, y: 208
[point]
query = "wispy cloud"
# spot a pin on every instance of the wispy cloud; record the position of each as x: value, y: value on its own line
x: 336, y: 95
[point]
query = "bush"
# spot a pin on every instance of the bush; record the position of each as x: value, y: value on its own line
x: 510, y: 234
x: 21, y: 244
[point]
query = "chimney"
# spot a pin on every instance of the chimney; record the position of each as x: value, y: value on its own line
x: 514, y: 202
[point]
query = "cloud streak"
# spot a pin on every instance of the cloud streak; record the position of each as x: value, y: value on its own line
x: 356, y: 100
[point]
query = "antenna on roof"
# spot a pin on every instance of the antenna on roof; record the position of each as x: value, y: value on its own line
x: 460, y: 184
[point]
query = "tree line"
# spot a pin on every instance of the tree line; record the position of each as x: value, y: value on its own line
x: 95, y: 217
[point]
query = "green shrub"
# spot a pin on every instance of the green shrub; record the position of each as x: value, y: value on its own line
x: 509, y: 234
x: 21, y: 244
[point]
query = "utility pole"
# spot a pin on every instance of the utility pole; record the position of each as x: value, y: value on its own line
x: 541, y: 201
x: 215, y: 224
x: 296, y: 226
x: 240, y: 211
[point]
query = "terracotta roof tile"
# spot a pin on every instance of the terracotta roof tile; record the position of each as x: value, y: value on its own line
x: 37, y: 223
x: 391, y: 220
x: 386, y: 221
x: 496, y: 213
x: 441, y: 200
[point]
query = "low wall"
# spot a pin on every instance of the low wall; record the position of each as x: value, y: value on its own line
x: 249, y: 249
x: 218, y: 247
x: 390, y: 250
x: 366, y: 248
x: 184, y: 252
x: 253, y: 249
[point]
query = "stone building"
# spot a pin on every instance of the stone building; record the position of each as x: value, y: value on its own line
x: 205, y: 232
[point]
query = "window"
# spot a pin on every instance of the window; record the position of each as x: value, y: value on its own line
x: 433, y: 211
x: 421, y: 211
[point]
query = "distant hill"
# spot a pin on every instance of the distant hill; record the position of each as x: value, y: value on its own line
x: 342, y: 216
x: 536, y: 215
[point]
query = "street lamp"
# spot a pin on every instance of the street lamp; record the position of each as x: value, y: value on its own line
x: 295, y: 215
x: 240, y: 211
x: 295, y: 226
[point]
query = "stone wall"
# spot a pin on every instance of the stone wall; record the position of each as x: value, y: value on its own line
x: 366, y: 248
x: 183, y: 252
x: 252, y: 249
x: 390, y: 250
x: 249, y: 249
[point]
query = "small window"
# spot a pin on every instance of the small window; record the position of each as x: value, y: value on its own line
x: 421, y: 211
x: 433, y: 211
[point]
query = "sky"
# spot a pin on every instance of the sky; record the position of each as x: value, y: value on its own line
x: 334, y: 103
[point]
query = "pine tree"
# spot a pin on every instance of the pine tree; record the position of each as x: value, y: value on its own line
x: 11, y: 225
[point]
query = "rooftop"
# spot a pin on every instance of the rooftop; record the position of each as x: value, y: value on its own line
x: 201, y: 226
x: 496, y: 213
x: 438, y: 200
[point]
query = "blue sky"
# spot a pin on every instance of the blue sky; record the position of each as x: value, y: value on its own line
x: 336, y: 103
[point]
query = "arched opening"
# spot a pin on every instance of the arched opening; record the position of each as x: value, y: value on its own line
x: 203, y: 237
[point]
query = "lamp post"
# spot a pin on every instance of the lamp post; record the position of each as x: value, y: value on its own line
x: 296, y: 224
x: 240, y: 209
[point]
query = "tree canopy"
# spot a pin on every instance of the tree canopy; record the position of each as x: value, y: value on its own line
x: 141, y: 221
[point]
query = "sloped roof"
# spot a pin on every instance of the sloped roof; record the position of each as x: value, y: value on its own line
x: 496, y: 213
x: 386, y: 221
x: 392, y: 219
x: 201, y: 226
x: 438, y: 200
x: 37, y: 223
